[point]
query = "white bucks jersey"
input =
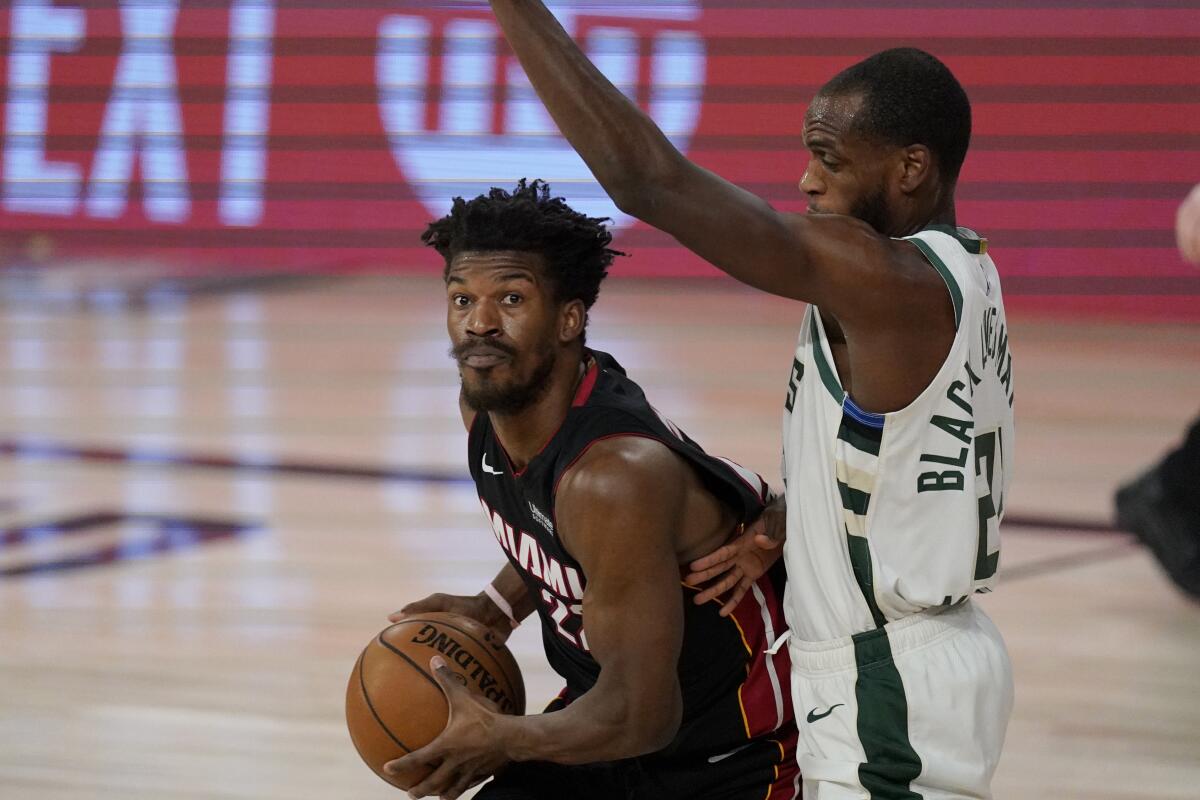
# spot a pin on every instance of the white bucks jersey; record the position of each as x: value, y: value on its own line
x: 891, y: 514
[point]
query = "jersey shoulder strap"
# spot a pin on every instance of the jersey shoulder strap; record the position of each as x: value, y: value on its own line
x: 955, y: 254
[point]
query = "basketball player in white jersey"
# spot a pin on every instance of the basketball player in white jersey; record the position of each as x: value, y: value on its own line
x: 898, y: 436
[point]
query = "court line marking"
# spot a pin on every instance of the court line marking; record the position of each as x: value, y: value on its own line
x: 171, y: 533
x: 1056, y: 565
x: 43, y: 449
x: 49, y: 450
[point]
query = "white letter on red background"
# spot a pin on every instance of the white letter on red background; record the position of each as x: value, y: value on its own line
x: 143, y: 115
x: 31, y: 183
x: 247, y: 111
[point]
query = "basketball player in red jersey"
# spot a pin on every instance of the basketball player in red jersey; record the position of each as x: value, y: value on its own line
x: 597, y: 501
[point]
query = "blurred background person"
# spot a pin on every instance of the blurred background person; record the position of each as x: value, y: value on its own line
x: 1162, y: 506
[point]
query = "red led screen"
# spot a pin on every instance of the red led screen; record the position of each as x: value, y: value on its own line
x: 308, y: 135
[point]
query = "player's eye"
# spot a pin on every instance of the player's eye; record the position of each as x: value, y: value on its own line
x: 512, y: 299
x: 459, y: 300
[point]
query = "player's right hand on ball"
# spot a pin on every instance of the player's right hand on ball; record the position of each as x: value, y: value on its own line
x: 478, y: 607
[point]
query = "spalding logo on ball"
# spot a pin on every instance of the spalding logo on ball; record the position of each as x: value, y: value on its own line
x: 462, y: 117
x: 393, y: 703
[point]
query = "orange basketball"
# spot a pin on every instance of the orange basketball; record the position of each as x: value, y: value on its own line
x: 393, y: 703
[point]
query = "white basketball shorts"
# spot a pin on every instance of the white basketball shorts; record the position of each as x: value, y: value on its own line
x: 915, y: 709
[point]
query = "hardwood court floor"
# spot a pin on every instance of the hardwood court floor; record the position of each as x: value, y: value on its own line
x: 209, y: 507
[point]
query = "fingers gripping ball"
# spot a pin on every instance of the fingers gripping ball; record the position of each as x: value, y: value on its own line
x: 393, y: 703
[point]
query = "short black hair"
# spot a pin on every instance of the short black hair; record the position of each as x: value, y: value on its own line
x: 575, y: 247
x: 910, y: 97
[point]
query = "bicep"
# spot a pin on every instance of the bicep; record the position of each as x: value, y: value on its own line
x: 619, y: 520
x: 824, y: 259
x: 633, y: 619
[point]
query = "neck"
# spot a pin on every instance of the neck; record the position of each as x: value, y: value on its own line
x: 938, y: 212
x: 525, y: 433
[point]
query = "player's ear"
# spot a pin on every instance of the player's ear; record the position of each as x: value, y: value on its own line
x: 571, y: 321
x: 916, y: 167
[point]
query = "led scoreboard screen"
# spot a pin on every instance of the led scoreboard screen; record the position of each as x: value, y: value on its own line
x: 309, y: 135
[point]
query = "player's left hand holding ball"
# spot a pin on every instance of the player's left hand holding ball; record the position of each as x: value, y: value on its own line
x: 477, y: 607
x: 467, y: 752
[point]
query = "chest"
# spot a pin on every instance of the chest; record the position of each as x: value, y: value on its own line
x: 520, y: 512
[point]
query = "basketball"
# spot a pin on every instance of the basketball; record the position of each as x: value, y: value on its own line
x: 393, y: 702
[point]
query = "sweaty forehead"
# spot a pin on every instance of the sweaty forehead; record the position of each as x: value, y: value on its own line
x: 832, y: 116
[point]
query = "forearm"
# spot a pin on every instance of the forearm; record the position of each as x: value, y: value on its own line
x: 512, y: 589
x: 597, y: 727
x: 622, y: 146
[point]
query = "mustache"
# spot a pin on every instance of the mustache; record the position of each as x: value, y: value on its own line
x: 468, y: 349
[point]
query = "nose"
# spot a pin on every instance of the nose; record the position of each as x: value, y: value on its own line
x: 483, y: 321
x: 810, y: 182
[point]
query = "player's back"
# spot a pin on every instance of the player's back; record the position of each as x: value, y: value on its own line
x: 891, y: 514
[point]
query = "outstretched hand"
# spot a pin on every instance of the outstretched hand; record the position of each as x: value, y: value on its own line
x: 466, y: 753
x: 728, y: 572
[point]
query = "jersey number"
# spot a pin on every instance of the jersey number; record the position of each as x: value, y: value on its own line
x: 560, y: 612
x: 794, y: 384
x: 991, y: 504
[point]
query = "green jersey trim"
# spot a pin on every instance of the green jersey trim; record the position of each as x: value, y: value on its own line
x: 828, y: 377
x: 854, y: 500
x: 863, y: 438
x: 971, y: 241
x: 860, y: 563
x: 956, y: 295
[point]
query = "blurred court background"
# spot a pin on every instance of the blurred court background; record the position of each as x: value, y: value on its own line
x: 229, y: 444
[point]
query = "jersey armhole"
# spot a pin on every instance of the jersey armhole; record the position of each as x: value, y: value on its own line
x: 950, y: 363
x: 956, y: 294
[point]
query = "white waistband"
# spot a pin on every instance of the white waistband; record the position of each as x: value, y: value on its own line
x: 910, y: 633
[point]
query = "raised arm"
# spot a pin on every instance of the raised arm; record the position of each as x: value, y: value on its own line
x: 825, y: 259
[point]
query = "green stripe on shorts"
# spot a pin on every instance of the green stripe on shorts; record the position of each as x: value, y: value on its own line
x: 891, y: 762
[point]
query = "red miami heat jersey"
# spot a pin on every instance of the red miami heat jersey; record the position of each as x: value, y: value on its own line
x: 732, y: 691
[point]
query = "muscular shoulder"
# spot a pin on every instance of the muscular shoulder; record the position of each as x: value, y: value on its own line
x: 619, y: 484
x: 621, y: 468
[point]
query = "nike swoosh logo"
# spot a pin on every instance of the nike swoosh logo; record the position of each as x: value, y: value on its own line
x: 813, y: 716
x: 488, y: 469
x: 723, y: 756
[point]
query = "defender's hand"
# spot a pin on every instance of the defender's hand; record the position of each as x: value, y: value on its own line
x: 478, y: 607
x: 466, y: 753
x: 731, y: 570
